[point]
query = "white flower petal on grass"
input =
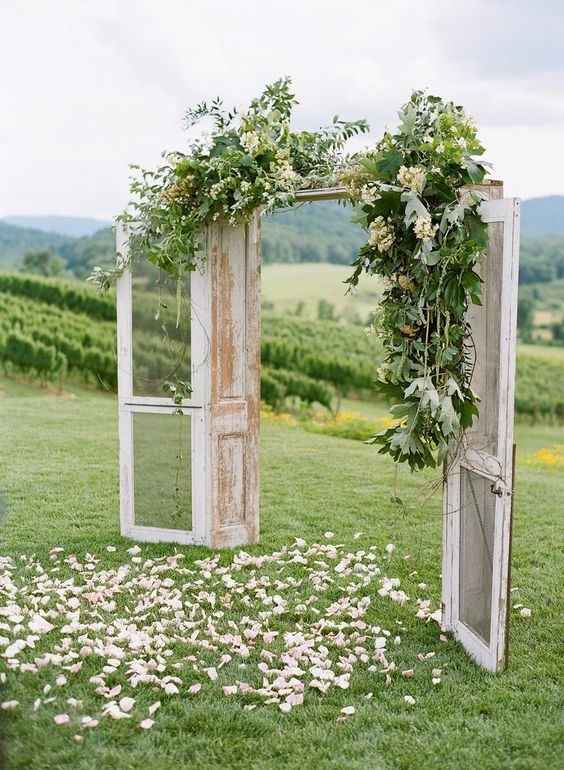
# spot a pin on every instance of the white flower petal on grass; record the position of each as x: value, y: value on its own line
x: 146, y: 724
x: 113, y: 710
x: 61, y: 680
x: 230, y: 689
x: 408, y: 673
x: 525, y: 612
x: 211, y: 672
x: 126, y: 704
x: 170, y: 689
x: 436, y: 680
x: 295, y: 698
x: 348, y: 711
x: 9, y: 705
x: 285, y: 707
x: 87, y: 721
x: 61, y: 719
x: 38, y: 625
x: 390, y: 548
x: 15, y: 648
x: 195, y: 688
x: 154, y: 707
x: 329, y: 535
x: 134, y: 550
x: 78, y: 738
x: 409, y: 699
x: 111, y: 548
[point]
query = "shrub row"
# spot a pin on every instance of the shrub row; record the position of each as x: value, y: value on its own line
x: 29, y: 355
x: 62, y: 294
x: 276, y: 385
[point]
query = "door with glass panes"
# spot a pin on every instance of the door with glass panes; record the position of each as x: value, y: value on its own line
x: 189, y: 466
x: 161, y: 442
x: 479, y: 481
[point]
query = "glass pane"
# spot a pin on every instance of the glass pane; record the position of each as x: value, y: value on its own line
x: 162, y: 470
x: 161, y: 335
x: 477, y: 524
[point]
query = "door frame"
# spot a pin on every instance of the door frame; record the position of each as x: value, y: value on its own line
x: 496, y: 468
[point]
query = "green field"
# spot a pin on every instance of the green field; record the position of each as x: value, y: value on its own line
x: 287, y: 285
x: 59, y: 478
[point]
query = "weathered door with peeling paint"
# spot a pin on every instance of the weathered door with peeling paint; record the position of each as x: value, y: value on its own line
x: 478, y: 486
x: 189, y: 470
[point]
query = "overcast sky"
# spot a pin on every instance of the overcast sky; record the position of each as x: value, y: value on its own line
x: 89, y: 86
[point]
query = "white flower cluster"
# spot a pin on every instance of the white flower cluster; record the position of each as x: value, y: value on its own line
x: 369, y: 195
x: 424, y: 228
x: 287, y: 177
x: 413, y: 178
x: 250, y: 141
x: 381, y: 234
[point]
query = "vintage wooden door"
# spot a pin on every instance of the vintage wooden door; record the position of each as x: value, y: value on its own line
x: 478, y: 490
x: 189, y: 471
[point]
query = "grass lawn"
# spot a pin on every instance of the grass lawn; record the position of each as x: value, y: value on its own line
x: 59, y: 488
x: 286, y: 285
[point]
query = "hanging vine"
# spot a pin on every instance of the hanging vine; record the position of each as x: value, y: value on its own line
x: 425, y: 238
x: 425, y: 235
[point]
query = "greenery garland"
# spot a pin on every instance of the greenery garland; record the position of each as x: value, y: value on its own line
x: 425, y: 235
x: 425, y: 238
x: 251, y: 159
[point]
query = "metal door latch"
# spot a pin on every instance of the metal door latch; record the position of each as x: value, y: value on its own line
x: 496, y: 489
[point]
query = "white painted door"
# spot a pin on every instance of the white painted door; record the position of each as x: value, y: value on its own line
x: 478, y: 485
x: 162, y: 453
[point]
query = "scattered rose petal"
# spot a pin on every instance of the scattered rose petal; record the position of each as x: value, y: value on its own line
x: 146, y: 724
x: 525, y: 612
x: 126, y: 704
x: 348, y: 711
x: 409, y: 699
x: 61, y: 719
x: 9, y: 705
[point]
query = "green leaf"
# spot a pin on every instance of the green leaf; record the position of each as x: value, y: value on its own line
x: 388, y: 164
x: 448, y: 417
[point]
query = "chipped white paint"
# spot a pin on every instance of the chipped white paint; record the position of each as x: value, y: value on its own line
x: 224, y: 405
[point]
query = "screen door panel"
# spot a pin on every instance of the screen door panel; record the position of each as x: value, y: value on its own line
x: 477, y: 526
x: 478, y: 483
x: 162, y: 475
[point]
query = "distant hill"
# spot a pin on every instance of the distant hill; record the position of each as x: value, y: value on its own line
x: 82, y: 254
x: 72, y: 226
x: 15, y: 241
x: 320, y: 232
x: 543, y: 216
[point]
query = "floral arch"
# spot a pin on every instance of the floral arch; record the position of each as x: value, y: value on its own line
x: 446, y: 242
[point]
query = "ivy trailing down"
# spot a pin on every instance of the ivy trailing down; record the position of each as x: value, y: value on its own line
x: 425, y: 235
x: 426, y: 238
